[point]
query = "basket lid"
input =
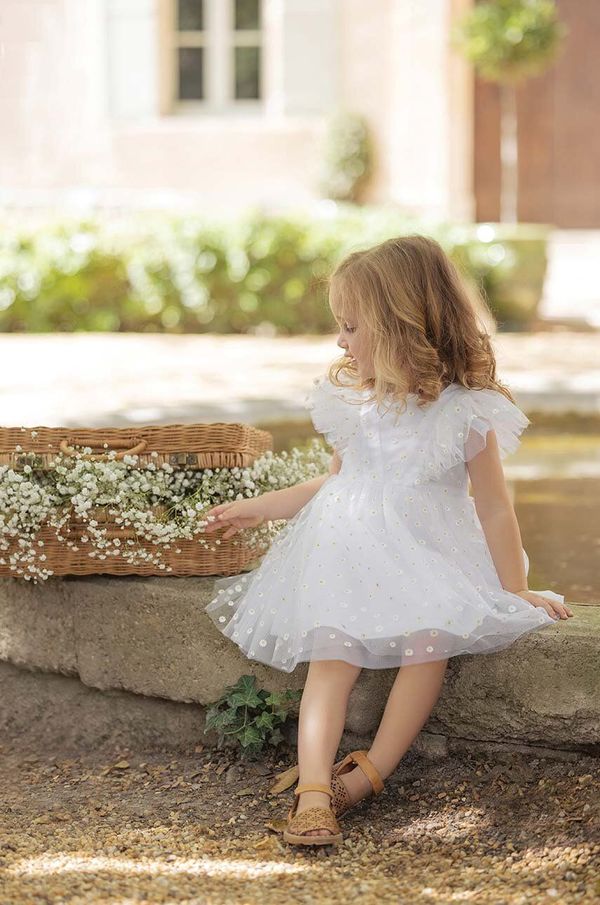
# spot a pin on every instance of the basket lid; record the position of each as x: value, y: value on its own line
x: 189, y: 445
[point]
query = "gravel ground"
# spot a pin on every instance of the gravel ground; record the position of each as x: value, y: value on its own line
x: 118, y: 827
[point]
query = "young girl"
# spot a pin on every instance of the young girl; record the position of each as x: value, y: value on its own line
x: 388, y: 561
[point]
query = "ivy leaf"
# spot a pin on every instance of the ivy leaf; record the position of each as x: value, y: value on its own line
x: 275, y: 737
x: 245, y: 699
x: 264, y: 720
x: 249, y: 736
x: 244, y: 693
x: 212, y: 716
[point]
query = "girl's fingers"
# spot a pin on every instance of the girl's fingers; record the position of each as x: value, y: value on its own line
x: 231, y: 523
x: 552, y: 609
x: 217, y: 512
x: 227, y: 514
x: 218, y: 518
x: 544, y: 603
x: 557, y: 609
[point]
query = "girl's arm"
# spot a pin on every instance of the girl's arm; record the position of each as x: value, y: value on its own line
x: 276, y: 504
x: 499, y: 522
x: 284, y: 504
x: 497, y: 516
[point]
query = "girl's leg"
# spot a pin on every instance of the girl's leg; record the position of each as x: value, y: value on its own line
x: 321, y: 723
x: 410, y: 701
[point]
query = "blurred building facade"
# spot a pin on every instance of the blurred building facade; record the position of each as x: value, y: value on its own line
x: 221, y: 104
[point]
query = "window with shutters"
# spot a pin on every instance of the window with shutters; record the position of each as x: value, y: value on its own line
x: 214, y: 56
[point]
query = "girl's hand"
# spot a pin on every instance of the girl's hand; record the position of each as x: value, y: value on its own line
x: 238, y: 514
x: 552, y: 608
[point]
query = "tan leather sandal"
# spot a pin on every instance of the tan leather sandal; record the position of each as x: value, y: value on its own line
x: 341, y: 801
x: 312, y: 819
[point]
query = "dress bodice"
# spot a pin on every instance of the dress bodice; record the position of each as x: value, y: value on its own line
x: 418, y: 444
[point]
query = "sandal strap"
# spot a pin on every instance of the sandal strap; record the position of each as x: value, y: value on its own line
x: 368, y: 768
x: 313, y: 787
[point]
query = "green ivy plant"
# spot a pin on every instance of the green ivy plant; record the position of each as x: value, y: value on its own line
x: 249, y: 716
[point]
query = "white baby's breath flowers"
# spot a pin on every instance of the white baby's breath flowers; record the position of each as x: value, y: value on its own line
x: 158, y: 503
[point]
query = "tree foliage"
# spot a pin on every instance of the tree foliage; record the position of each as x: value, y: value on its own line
x: 510, y: 40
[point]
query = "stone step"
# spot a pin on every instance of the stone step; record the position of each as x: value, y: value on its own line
x: 150, y: 637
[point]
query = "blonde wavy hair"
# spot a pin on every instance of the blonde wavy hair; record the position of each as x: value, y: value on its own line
x: 420, y: 320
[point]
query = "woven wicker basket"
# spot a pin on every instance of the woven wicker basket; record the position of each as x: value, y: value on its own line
x: 226, y: 559
x: 192, y: 446
x: 187, y: 446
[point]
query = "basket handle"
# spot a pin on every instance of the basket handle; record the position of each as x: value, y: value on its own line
x: 116, y: 444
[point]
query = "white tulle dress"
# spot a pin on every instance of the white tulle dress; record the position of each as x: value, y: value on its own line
x: 387, y: 564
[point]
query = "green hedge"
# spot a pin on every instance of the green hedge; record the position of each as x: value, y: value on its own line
x: 183, y: 274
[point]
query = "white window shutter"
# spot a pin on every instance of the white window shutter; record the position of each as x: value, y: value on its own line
x: 311, y: 58
x: 133, y: 59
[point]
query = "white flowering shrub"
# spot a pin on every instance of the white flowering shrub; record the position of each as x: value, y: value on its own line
x: 159, y: 503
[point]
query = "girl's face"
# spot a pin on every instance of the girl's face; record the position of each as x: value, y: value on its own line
x: 353, y: 340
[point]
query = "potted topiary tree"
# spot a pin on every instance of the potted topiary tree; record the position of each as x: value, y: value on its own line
x: 346, y: 157
x: 509, y: 41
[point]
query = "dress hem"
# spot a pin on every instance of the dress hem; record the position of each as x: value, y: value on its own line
x: 364, y: 659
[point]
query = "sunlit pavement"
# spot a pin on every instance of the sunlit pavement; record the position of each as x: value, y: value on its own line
x: 571, y: 287
x: 116, y: 379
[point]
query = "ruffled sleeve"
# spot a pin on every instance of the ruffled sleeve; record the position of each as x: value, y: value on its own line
x: 334, y: 411
x: 455, y: 430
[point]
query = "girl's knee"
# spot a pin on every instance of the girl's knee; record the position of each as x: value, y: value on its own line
x: 428, y: 667
x: 334, y: 670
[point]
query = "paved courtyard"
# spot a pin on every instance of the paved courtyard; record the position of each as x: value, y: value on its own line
x: 114, y: 379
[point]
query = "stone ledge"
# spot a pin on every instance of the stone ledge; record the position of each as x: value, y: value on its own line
x: 151, y: 636
x: 58, y: 713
